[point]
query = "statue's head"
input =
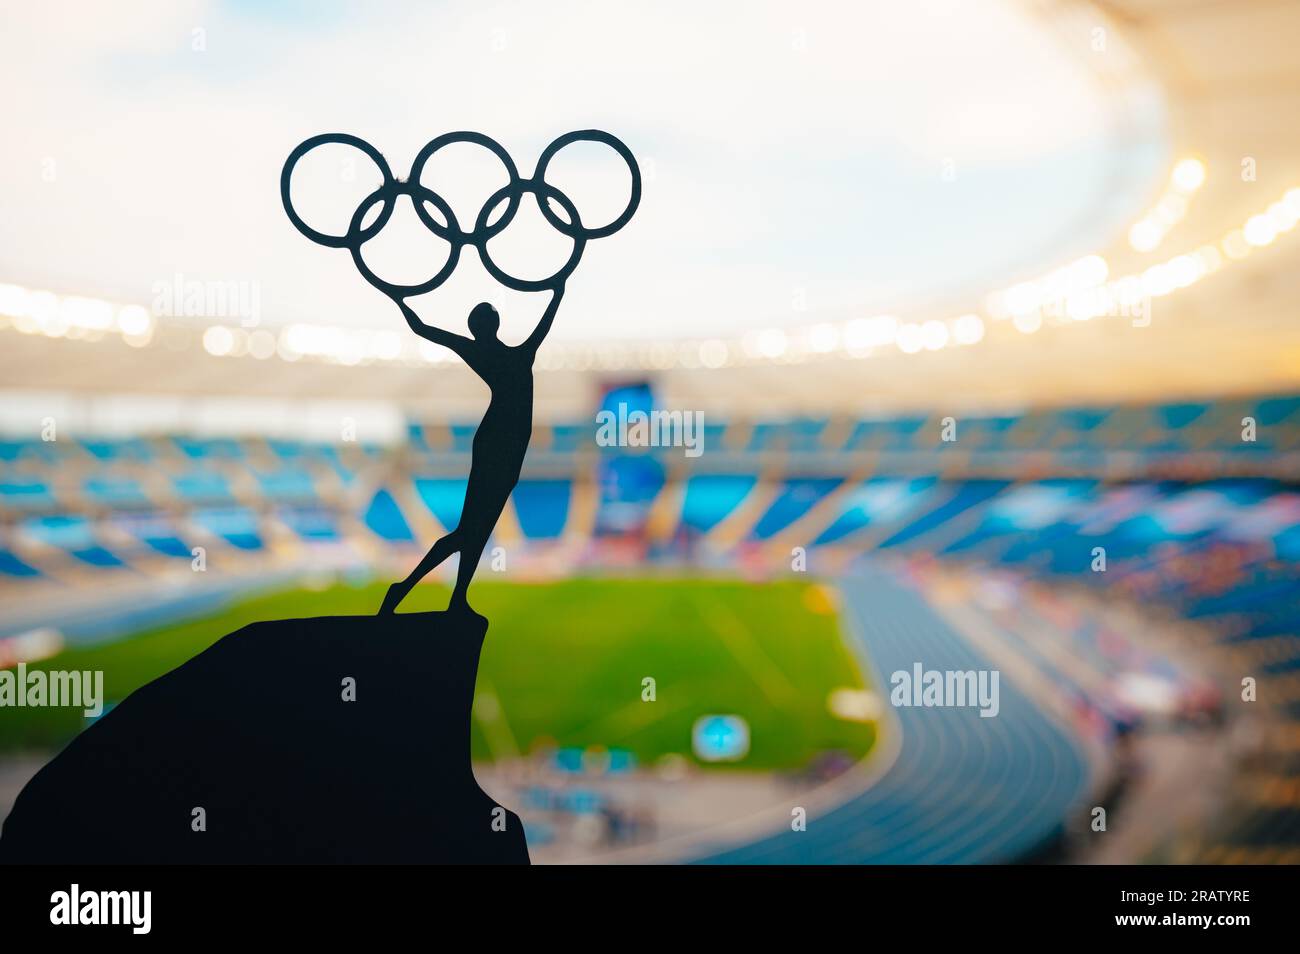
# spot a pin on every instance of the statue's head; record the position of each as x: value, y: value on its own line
x: 484, y: 321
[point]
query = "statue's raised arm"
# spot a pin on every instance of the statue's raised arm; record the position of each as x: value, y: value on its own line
x: 447, y: 339
x: 543, y: 328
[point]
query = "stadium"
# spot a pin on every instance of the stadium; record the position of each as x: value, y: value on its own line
x: 1046, y: 446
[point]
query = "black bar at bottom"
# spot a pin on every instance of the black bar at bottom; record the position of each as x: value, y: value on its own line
x: 551, y: 902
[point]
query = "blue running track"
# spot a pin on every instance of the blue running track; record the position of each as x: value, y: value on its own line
x: 963, y: 790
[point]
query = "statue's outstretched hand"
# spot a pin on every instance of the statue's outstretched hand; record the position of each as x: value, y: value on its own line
x: 429, y: 332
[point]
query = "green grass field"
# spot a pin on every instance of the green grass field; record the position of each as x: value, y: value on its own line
x: 565, y: 663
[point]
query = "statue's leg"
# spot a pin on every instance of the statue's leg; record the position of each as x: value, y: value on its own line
x: 469, y: 557
x: 437, y: 553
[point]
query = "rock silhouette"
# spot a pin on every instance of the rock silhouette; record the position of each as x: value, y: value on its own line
x: 256, y: 732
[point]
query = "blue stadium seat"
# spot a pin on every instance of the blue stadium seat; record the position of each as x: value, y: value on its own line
x: 1273, y: 411
x: 11, y: 565
x: 1175, y: 428
x: 287, y: 483
x: 310, y: 523
x: 799, y: 435
x: 12, y: 450
x: 986, y: 433
x: 864, y: 435
x: 796, y: 497
x: 908, y: 432
x: 68, y: 531
x: 715, y: 434
x: 385, y: 519
x: 416, y: 437
x: 444, y: 497
x: 156, y: 530
x: 115, y: 491
x: 711, y: 497
x: 133, y: 449
x: 202, y: 486
x: 331, y: 456
x: 44, y: 451
x: 1286, y: 543
x: 567, y: 438
x: 763, y: 434
x: 172, y: 546
x: 236, y: 525
x: 1084, y: 419
x: 462, y: 437
x: 965, y: 496
x: 220, y: 448
x: 542, y: 507
x: 878, y: 499
x: 25, y: 494
x: 287, y: 450
x: 73, y: 534
x: 97, y: 556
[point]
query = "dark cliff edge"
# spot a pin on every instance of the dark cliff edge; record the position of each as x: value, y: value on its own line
x: 257, y: 738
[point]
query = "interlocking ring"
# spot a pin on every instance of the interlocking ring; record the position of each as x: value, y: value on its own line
x: 543, y: 190
x: 481, y: 233
x: 484, y: 230
x: 387, y: 194
x: 320, y: 238
x: 590, y: 135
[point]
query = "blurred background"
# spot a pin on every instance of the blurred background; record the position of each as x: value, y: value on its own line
x: 977, y: 326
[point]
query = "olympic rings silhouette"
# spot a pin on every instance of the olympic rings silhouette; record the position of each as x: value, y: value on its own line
x: 484, y: 228
x: 387, y: 193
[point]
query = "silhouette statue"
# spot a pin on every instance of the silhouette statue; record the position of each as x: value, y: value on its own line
x: 503, y: 435
x: 337, y: 739
x: 499, y: 443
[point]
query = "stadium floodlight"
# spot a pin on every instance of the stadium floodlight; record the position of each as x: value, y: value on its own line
x: 1259, y: 230
x: 1211, y: 258
x: 261, y: 344
x: 1148, y: 232
x: 1234, y: 245
x: 823, y: 338
x: 42, y: 307
x: 89, y: 313
x: 1090, y: 271
x: 910, y: 338
x: 1186, y: 269
x: 934, y: 335
x: 1188, y: 174
x: 713, y: 353
x: 861, y: 334
x: 1282, y: 216
x: 13, y: 299
x: 133, y: 320
x: 1144, y: 236
x: 1028, y: 323
x: 968, y: 329
x: 772, y: 343
x: 218, y: 340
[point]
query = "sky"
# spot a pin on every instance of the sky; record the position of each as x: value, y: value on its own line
x: 799, y: 160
